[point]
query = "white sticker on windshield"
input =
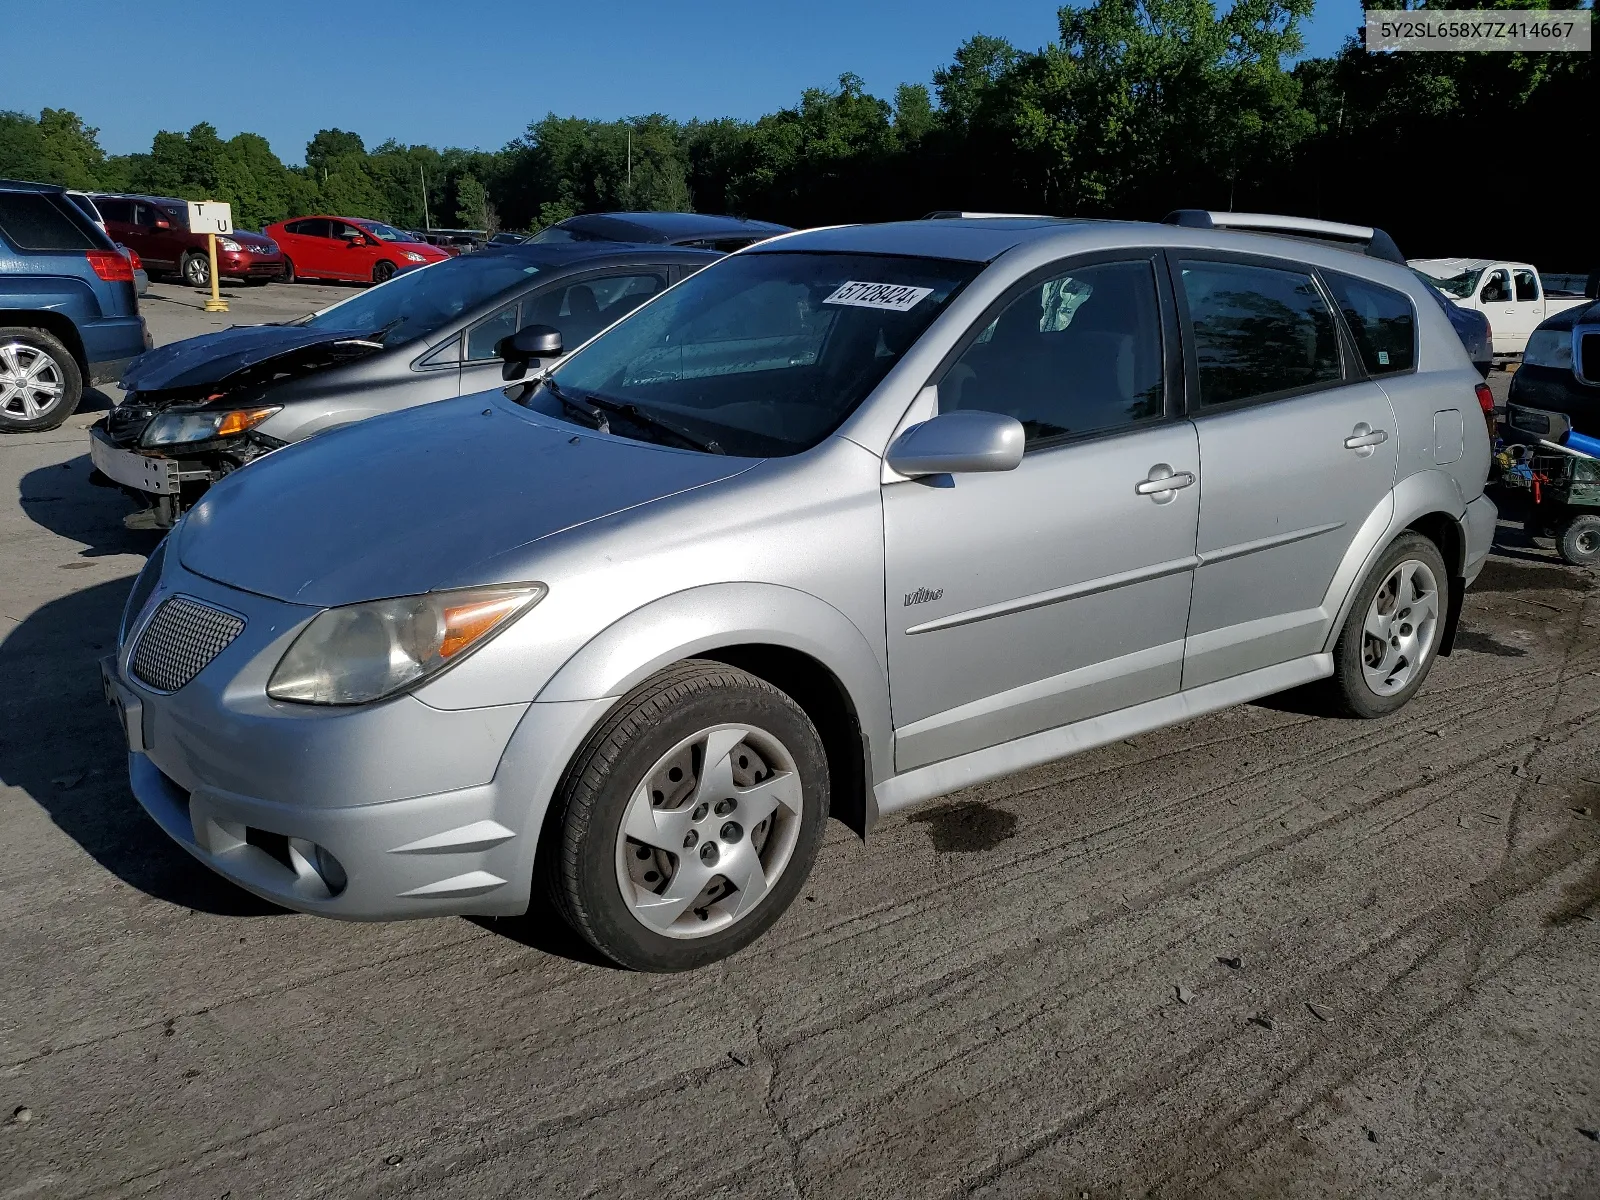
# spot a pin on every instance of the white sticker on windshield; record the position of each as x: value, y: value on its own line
x: 896, y: 297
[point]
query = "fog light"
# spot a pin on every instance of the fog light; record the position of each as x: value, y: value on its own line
x: 330, y: 869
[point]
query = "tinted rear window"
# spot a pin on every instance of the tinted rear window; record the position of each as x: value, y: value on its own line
x: 1258, y: 331
x: 33, y: 221
x: 1382, y: 321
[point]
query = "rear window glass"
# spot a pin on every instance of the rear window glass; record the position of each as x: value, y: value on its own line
x: 1382, y: 321
x: 32, y: 221
x: 1258, y: 331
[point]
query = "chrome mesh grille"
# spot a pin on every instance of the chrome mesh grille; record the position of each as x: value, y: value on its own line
x: 182, y: 637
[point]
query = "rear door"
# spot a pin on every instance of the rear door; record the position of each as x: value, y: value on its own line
x: 118, y: 216
x: 311, y: 247
x: 1528, y: 299
x: 1297, y: 450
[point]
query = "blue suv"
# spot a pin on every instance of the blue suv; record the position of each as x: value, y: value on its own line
x: 69, y: 315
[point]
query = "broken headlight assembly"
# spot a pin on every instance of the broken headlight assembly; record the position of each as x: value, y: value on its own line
x: 178, y: 428
x: 363, y: 652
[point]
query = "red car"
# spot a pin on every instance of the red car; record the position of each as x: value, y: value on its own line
x: 157, y: 228
x: 347, y: 248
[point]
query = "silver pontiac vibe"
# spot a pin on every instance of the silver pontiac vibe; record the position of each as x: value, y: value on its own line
x: 848, y: 520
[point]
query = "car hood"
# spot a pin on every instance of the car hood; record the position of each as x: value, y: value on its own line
x: 418, y: 500
x: 253, y: 241
x: 212, y: 357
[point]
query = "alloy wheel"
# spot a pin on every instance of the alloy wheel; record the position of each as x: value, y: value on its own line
x: 31, y: 381
x: 1401, y: 627
x: 709, y: 831
x: 196, y: 271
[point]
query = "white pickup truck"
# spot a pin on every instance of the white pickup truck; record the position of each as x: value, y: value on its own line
x: 1510, y: 294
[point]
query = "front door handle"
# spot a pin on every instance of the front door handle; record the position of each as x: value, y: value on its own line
x: 1365, y: 437
x: 1162, y: 482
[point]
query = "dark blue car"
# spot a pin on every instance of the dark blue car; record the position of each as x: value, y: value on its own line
x: 69, y: 315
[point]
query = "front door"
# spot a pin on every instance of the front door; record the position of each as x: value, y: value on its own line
x: 1497, y: 301
x: 1298, y: 449
x: 1027, y: 599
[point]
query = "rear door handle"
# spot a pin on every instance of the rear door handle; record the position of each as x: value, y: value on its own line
x: 1162, y: 482
x: 1364, y: 435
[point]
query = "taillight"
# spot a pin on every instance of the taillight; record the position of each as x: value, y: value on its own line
x: 111, y: 265
x: 133, y: 257
x: 1485, y: 398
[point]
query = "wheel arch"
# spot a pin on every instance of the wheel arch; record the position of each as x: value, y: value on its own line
x: 1427, y: 502
x: 795, y: 641
x: 57, y: 325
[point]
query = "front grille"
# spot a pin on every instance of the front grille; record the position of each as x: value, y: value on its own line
x: 1589, y: 357
x: 182, y: 637
x: 271, y: 268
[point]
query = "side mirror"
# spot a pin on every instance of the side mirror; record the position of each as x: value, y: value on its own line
x: 163, y: 224
x: 525, y: 345
x: 957, y: 442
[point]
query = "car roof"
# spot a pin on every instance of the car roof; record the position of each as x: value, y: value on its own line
x: 1442, y: 268
x: 140, y: 196
x: 669, y: 226
x: 554, y: 256
x: 24, y: 185
x: 970, y: 239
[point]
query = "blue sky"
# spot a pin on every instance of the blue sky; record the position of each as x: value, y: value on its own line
x: 477, y: 76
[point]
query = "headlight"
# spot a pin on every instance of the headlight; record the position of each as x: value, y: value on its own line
x: 1549, y: 348
x: 364, y: 652
x: 271, y: 247
x: 225, y: 243
x: 175, y: 428
x: 413, y: 256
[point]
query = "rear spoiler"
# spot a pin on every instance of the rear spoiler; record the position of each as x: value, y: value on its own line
x: 1361, y: 239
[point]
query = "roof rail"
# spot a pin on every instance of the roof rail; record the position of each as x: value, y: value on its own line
x: 1374, y: 243
x: 951, y: 214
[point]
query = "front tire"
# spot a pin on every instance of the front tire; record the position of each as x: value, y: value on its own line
x: 382, y: 271
x: 196, y: 269
x: 288, y: 269
x: 689, y: 821
x: 1391, y: 637
x: 40, y: 383
x: 1578, y: 540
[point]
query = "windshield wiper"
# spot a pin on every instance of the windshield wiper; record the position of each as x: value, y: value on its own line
x: 641, y: 418
x: 595, y: 415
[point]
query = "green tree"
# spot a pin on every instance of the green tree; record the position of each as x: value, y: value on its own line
x: 57, y: 148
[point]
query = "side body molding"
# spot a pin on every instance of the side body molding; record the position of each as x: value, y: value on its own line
x: 732, y: 614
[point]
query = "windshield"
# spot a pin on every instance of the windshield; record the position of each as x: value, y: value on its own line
x: 764, y: 354
x: 387, y: 233
x: 416, y: 303
x: 1460, y: 286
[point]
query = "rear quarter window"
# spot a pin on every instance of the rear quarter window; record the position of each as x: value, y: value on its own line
x: 1382, y: 321
x: 33, y: 221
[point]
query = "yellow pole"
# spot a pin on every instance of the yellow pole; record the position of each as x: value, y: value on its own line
x: 216, y: 303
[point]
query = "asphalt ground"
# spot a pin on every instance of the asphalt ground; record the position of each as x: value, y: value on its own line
x: 1264, y: 953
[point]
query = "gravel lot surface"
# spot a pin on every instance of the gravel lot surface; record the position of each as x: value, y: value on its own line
x: 1260, y: 954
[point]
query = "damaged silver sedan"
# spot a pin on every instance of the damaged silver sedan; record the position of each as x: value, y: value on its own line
x: 202, y: 408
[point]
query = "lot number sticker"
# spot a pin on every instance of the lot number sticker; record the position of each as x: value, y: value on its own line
x: 896, y: 297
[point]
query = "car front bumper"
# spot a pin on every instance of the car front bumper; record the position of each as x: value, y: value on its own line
x: 424, y: 811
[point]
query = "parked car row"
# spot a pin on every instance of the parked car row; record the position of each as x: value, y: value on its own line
x: 630, y: 629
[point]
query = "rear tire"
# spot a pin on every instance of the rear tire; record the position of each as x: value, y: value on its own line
x: 40, y: 383
x: 689, y: 820
x: 382, y: 271
x: 1578, y: 540
x: 1391, y: 637
x: 196, y: 269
